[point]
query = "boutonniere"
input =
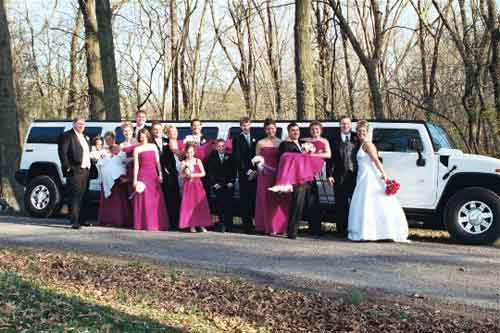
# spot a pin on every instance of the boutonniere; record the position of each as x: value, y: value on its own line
x: 253, y: 140
x: 203, y: 141
x: 226, y: 157
x: 87, y: 138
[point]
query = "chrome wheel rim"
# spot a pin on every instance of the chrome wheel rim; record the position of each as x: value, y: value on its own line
x: 40, y: 197
x: 475, y: 217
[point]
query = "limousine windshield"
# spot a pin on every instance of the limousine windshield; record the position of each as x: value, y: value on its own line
x: 440, y: 139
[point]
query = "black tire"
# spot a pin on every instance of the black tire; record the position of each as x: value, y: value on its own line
x: 42, y: 197
x: 457, y: 221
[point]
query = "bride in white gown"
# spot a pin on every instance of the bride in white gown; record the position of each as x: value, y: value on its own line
x: 373, y: 215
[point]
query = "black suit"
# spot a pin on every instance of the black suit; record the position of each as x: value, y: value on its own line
x: 342, y: 167
x: 304, y: 196
x: 222, y: 173
x: 243, y: 152
x: 170, y: 183
x: 71, y: 155
x: 136, y: 131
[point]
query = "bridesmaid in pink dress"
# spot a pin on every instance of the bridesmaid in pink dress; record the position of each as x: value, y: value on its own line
x: 321, y: 144
x: 195, y: 211
x: 271, y: 209
x: 150, y: 212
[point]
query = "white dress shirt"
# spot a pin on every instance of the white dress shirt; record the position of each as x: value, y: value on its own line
x: 86, y: 151
x: 346, y: 138
x: 159, y: 142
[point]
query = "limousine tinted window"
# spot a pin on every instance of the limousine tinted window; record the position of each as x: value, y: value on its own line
x: 92, y: 132
x: 258, y: 132
x: 394, y: 139
x: 209, y: 132
x: 45, y: 134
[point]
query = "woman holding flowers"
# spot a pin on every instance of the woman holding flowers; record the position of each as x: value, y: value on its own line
x: 271, y: 209
x: 150, y: 212
x: 373, y: 214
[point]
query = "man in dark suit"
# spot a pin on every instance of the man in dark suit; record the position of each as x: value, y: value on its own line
x: 222, y: 175
x: 74, y: 154
x: 140, y: 122
x: 170, y: 183
x: 305, y: 196
x: 243, y: 152
x: 341, y: 172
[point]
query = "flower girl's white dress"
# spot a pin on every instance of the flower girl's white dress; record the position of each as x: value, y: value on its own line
x: 374, y: 215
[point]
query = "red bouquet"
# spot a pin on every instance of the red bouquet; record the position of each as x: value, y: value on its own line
x: 391, y: 187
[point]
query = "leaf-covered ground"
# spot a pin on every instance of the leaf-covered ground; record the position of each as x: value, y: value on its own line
x: 57, y: 292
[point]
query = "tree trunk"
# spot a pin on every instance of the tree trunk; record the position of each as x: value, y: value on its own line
x: 304, y: 70
x: 174, y: 54
x: 94, y: 72
x: 10, y: 149
x: 373, y: 82
x: 107, y: 49
x: 73, y: 61
x: 495, y: 59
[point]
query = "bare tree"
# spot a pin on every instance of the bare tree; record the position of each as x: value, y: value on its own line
x: 304, y: 70
x: 108, y: 65
x: 97, y: 108
x: 241, y: 14
x: 73, y: 59
x: 10, y: 149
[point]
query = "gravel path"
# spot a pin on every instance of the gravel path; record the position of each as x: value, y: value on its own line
x: 466, y: 274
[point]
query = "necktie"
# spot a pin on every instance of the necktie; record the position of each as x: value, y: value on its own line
x: 247, y: 137
x: 221, y: 157
x: 346, y: 138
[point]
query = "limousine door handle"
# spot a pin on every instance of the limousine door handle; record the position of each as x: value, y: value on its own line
x: 29, y: 150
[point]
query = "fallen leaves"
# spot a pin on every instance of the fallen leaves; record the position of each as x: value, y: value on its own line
x: 50, y: 289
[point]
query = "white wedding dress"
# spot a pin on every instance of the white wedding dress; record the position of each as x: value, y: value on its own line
x: 374, y: 215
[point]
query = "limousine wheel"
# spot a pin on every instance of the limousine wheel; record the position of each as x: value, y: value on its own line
x: 472, y: 216
x: 42, y: 196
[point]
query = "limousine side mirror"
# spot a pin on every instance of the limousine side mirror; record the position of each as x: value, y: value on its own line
x: 416, y: 145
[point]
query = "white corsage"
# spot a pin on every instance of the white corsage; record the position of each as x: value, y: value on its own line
x: 189, y: 139
x: 203, y: 141
x: 140, y: 187
x: 308, y: 147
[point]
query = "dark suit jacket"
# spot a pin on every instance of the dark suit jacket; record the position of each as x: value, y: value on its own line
x: 243, y: 153
x: 70, y: 151
x: 335, y: 166
x: 167, y: 158
x: 220, y: 173
x: 288, y: 147
x: 145, y: 126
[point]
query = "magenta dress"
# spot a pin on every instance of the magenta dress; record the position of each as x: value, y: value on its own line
x: 116, y: 210
x: 271, y: 209
x: 194, y: 206
x: 295, y: 168
x: 150, y: 212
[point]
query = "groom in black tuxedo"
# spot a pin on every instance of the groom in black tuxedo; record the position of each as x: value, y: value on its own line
x: 170, y: 183
x: 341, y: 172
x: 304, y: 195
x: 74, y: 153
x: 244, y: 146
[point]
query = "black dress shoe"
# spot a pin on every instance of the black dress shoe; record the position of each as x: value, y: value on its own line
x: 87, y: 224
x: 75, y: 226
x: 292, y: 236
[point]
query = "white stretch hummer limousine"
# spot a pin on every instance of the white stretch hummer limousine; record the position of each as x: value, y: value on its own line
x: 440, y: 185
